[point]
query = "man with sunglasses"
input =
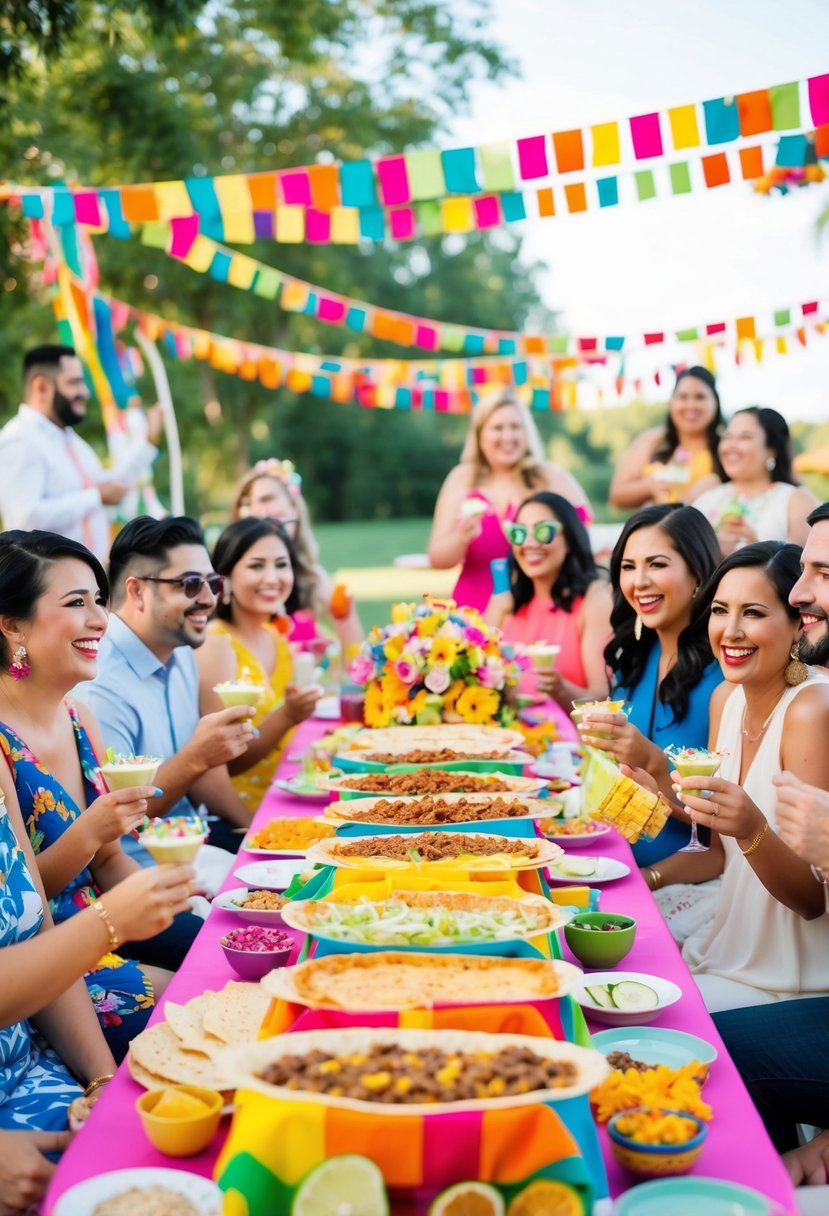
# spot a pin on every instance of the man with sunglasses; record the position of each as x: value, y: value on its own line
x: 146, y: 693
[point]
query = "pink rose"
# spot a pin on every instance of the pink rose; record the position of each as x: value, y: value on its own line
x: 406, y: 670
x: 361, y: 670
x: 491, y: 674
x: 438, y: 679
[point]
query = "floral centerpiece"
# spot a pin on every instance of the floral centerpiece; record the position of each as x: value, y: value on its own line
x: 434, y: 663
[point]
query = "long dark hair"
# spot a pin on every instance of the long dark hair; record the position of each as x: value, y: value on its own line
x: 779, y: 559
x: 234, y: 543
x: 776, y: 430
x: 670, y: 443
x: 24, y: 560
x: 696, y: 543
x: 578, y: 569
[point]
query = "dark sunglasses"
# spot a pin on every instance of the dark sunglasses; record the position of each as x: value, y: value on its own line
x: 191, y: 584
x: 543, y: 533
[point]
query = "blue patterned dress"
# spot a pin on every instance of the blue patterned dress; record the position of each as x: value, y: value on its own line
x: 120, y: 991
x: 35, y: 1087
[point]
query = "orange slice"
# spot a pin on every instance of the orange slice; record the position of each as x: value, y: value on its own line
x: 468, y: 1199
x: 546, y: 1198
x: 176, y: 1104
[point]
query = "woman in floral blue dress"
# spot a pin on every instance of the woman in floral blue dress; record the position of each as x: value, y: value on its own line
x: 52, y: 614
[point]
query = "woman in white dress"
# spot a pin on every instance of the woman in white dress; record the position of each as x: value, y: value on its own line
x: 766, y: 941
x: 762, y: 499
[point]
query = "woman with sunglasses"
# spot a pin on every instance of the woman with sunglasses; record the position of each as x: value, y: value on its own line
x: 272, y: 489
x: 257, y: 560
x: 501, y: 463
x: 555, y: 596
x: 660, y: 655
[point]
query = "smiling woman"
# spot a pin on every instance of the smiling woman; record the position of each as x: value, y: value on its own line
x: 257, y: 560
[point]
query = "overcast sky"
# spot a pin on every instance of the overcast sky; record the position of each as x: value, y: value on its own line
x: 669, y: 263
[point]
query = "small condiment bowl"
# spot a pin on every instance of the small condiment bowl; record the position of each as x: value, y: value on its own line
x: 180, y: 1136
x: 251, y: 965
x: 656, y: 1160
x: 600, y: 947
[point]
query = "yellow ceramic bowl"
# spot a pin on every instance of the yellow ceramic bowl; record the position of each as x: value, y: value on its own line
x: 180, y: 1136
x: 656, y: 1160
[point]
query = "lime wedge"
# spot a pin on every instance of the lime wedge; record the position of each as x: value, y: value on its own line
x: 468, y: 1199
x: 578, y: 867
x: 342, y: 1186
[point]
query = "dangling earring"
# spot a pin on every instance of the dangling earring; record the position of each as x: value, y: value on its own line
x: 796, y: 670
x: 694, y: 592
x: 226, y: 596
x: 637, y: 628
x: 19, y: 667
x: 771, y: 464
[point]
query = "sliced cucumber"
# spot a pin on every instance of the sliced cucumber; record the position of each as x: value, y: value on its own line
x: 632, y: 996
x: 600, y: 995
x: 577, y: 867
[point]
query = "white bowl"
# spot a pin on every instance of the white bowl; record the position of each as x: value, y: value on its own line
x: 83, y: 1198
x: 254, y: 917
x: 667, y: 992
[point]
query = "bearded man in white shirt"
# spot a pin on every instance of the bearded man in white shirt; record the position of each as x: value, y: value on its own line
x: 51, y: 478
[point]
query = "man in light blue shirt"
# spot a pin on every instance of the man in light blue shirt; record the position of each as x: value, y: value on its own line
x: 146, y: 693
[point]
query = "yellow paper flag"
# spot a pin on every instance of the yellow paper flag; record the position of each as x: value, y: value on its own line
x: 242, y: 271
x: 605, y: 144
x: 233, y: 194
x: 290, y: 224
x: 200, y: 254
x: 173, y: 200
x: 457, y: 215
x: 345, y: 225
x: 684, y: 127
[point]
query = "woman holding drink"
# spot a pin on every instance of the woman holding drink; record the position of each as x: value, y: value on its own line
x: 245, y: 655
x: 557, y: 605
x: 501, y: 462
x: 53, y: 597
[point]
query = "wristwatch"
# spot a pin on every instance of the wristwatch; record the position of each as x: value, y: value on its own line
x: 824, y: 881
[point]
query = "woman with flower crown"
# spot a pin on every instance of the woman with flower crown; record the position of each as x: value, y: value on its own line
x: 272, y: 489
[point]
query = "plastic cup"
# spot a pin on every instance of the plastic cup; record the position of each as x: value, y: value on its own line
x: 304, y: 669
x: 134, y: 770
x: 543, y: 655
x: 236, y: 692
x: 351, y: 706
x: 174, y: 841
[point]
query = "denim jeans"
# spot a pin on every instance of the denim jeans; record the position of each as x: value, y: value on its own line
x: 782, y: 1053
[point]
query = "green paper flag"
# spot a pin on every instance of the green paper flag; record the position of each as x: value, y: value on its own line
x: 496, y: 167
x: 785, y: 106
x: 783, y: 317
x: 680, y: 178
x: 645, y: 185
x: 424, y: 170
x: 156, y: 234
x: 429, y: 215
x: 687, y: 335
x: 267, y: 283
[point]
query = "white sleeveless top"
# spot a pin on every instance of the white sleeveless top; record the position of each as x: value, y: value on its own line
x: 766, y: 513
x: 754, y: 939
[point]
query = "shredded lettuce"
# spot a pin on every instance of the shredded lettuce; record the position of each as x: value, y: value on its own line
x: 393, y: 923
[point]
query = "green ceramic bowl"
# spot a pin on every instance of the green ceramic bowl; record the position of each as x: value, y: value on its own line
x: 598, y: 947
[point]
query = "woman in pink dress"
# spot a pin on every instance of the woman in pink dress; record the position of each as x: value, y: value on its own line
x: 501, y: 462
x: 555, y: 596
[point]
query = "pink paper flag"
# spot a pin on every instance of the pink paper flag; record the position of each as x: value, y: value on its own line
x: 317, y: 226
x: 819, y: 99
x: 394, y: 181
x: 87, y: 210
x: 330, y: 309
x: 646, y: 136
x: 487, y: 211
x: 532, y: 157
x: 296, y: 187
x: 184, y: 232
x: 402, y: 223
x: 426, y: 337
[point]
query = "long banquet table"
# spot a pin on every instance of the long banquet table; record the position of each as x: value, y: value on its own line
x: 737, y: 1148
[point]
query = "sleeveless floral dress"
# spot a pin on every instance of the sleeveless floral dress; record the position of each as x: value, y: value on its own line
x: 120, y: 991
x: 35, y: 1086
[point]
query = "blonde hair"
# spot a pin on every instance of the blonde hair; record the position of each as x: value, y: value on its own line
x: 311, y: 578
x: 530, y: 464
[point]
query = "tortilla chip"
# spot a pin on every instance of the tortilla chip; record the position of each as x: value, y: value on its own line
x: 186, y: 1022
x: 235, y: 1014
x: 159, y: 1052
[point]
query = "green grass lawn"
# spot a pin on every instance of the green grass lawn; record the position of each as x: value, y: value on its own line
x: 363, y: 545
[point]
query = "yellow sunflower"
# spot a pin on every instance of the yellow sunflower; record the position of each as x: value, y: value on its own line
x: 395, y: 692
x: 444, y: 651
x: 477, y: 704
x: 452, y: 693
x: 427, y: 626
x: 400, y: 613
x: 395, y: 646
x: 376, y: 710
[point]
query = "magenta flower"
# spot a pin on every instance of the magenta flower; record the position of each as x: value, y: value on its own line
x: 362, y: 669
x: 406, y: 670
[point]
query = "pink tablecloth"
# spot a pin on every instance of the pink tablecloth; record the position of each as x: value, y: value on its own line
x: 738, y: 1148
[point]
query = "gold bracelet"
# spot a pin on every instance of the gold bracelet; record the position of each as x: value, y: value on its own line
x: 757, y: 841
x: 114, y: 943
x: 657, y: 878
x: 97, y: 1083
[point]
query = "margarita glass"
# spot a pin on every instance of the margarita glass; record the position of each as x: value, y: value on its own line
x: 588, y: 705
x: 124, y: 772
x: 694, y: 762
x: 175, y: 840
x: 242, y: 691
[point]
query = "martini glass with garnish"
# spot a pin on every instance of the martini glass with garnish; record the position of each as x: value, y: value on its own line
x: 694, y: 762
